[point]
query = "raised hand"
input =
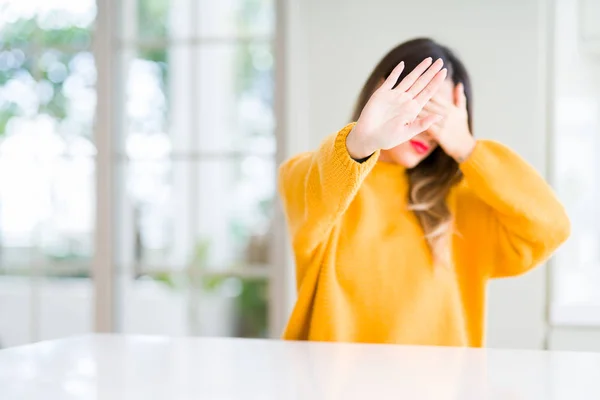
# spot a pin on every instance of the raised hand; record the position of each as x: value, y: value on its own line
x: 452, y: 131
x: 390, y: 117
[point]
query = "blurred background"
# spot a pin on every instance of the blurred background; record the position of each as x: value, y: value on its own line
x: 139, y: 141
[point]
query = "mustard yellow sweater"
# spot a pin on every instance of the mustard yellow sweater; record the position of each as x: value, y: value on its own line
x: 364, y: 270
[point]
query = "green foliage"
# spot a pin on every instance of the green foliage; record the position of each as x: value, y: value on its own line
x: 251, y: 303
x: 266, y: 206
x: 153, y: 18
x: 5, y: 115
x: 248, y: 12
x: 160, y: 57
x: 20, y: 33
x: 73, y: 37
x: 23, y: 33
x: 166, y: 279
x: 253, y: 308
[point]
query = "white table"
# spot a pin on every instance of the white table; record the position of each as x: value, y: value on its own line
x: 118, y: 367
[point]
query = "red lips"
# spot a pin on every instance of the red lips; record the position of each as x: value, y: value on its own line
x: 419, y: 147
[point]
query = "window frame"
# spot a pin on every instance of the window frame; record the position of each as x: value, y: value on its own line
x: 558, y: 314
x: 107, y: 292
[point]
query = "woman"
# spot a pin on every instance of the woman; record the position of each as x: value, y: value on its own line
x: 399, y: 220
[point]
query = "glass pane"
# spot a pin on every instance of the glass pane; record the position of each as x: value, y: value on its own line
x: 16, y: 28
x: 214, y: 214
x: 66, y: 91
x: 52, y: 23
x: 232, y: 108
x: 156, y: 20
x: 152, y: 307
x: 46, y: 209
x: 233, y: 216
x: 577, y: 263
x: 18, y: 95
x: 47, y: 167
x: 15, y: 302
x: 172, y: 304
x: 66, y: 305
x: 148, y: 192
x: 230, y: 306
x: 158, y: 102
x: 235, y: 94
x: 227, y: 18
x: 55, y: 94
x: 152, y: 21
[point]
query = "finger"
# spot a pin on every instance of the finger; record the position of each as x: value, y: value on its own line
x: 427, y: 114
x: 410, y: 79
x: 435, y: 130
x: 435, y: 108
x: 460, y: 98
x: 424, y: 113
x: 438, y: 125
x: 441, y: 102
x: 393, y: 77
x: 431, y: 89
x: 426, y: 78
x: 422, y: 124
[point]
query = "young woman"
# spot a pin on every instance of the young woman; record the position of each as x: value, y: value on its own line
x: 399, y: 220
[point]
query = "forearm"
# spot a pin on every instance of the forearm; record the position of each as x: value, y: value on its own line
x: 508, y: 184
x: 318, y: 189
x: 531, y: 222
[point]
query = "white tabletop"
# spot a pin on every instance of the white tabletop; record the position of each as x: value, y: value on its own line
x: 117, y: 367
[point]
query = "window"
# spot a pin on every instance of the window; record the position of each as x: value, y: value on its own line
x: 190, y: 149
x: 194, y: 158
x: 576, y: 144
x: 47, y: 101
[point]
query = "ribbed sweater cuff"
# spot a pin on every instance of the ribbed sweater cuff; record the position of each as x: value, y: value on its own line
x: 346, y: 164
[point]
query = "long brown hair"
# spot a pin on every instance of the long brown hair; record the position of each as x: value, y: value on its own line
x: 431, y: 180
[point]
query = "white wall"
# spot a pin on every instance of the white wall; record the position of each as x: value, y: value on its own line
x: 503, y: 45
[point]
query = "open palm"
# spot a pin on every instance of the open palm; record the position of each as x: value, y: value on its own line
x: 390, y: 116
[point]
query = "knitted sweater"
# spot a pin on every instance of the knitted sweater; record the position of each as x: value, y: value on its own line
x: 364, y: 270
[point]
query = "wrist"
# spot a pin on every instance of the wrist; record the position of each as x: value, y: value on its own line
x: 462, y: 152
x: 357, y: 148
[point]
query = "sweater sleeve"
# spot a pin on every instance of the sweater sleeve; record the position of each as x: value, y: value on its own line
x: 522, y: 220
x: 317, y: 188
